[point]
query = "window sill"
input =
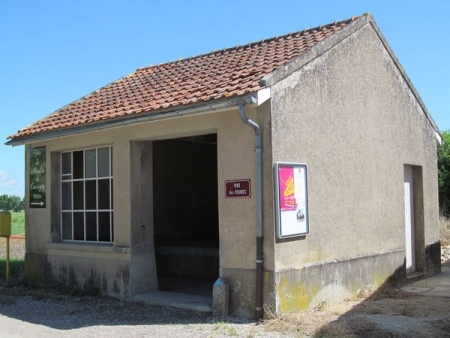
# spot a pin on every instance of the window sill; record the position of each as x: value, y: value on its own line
x: 88, y: 247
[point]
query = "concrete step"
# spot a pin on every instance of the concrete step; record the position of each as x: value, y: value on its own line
x: 177, y: 300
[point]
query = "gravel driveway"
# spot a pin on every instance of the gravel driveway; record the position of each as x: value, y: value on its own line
x: 44, y: 313
x: 47, y: 313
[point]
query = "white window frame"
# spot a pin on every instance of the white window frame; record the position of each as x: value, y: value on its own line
x: 68, y: 178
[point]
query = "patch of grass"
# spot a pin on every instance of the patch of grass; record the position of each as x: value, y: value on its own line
x: 225, y: 327
x: 444, y: 231
x: 387, y: 291
x: 335, y: 329
x: 361, y: 294
x: 321, y: 306
x: 251, y: 334
x: 375, y: 311
x: 232, y: 331
x: 345, y: 327
x: 269, y: 314
x: 217, y: 326
x: 18, y: 223
x: 444, y: 222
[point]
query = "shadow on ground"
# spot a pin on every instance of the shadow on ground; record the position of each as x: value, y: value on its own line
x: 67, y: 309
x: 392, y: 312
x: 16, y: 268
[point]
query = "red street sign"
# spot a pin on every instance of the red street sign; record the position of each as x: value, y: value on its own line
x: 237, y: 188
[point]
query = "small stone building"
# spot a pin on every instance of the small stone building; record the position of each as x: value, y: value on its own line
x: 298, y: 169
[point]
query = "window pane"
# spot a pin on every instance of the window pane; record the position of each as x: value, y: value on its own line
x: 104, y: 227
x: 91, y: 162
x: 103, y: 194
x: 66, y: 163
x: 103, y: 162
x: 91, y: 226
x: 112, y: 226
x: 67, y: 196
x: 78, y: 165
x: 78, y: 226
x: 110, y: 162
x: 67, y: 225
x: 83, y: 194
x: 78, y: 195
x: 91, y: 195
x: 112, y: 194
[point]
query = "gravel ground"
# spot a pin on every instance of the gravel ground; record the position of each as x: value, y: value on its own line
x: 16, y: 247
x: 48, y: 313
x: 45, y: 313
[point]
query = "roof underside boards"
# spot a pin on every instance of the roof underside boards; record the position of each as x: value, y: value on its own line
x: 224, y: 74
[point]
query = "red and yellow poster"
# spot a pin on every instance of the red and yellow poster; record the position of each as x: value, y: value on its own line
x: 287, y: 189
x: 292, y: 199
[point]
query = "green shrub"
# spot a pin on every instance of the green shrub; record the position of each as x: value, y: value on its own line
x: 444, y: 174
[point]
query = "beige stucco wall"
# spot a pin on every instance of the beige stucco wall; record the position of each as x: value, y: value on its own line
x: 237, y: 225
x: 350, y: 115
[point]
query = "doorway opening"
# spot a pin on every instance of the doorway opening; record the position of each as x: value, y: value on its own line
x: 186, y: 215
x: 415, y: 259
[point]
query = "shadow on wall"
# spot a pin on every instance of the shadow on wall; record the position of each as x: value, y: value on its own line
x: 365, y: 321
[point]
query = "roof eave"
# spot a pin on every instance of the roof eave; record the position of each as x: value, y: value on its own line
x: 217, y: 105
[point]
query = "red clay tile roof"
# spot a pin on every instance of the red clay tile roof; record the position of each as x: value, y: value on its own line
x: 221, y: 74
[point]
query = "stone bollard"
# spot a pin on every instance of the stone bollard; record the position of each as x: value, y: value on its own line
x: 221, y: 292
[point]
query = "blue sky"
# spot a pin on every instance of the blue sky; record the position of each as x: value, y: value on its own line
x: 54, y: 52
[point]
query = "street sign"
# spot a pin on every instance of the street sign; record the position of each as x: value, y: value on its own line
x: 237, y: 188
x: 37, y: 187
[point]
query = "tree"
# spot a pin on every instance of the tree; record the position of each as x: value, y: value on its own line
x: 444, y: 174
x: 4, y: 202
x: 16, y: 203
x: 11, y: 202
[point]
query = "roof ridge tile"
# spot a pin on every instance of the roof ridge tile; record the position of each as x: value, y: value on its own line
x: 209, y: 76
x: 353, y: 18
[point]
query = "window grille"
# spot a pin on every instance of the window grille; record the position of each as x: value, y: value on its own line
x: 87, y: 195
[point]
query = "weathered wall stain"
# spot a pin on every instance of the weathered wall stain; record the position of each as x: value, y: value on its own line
x: 334, y: 281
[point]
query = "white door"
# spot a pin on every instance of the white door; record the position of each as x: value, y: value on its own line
x: 409, y: 221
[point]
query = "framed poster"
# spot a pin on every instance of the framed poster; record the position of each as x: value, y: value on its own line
x: 37, y: 186
x: 291, y: 199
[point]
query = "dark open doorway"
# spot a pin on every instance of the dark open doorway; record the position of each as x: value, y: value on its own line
x: 186, y: 224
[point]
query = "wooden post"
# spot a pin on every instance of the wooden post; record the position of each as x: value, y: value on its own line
x: 7, y: 260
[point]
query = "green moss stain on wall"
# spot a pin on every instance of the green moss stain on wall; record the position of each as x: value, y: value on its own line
x: 294, y: 296
x: 379, y: 279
